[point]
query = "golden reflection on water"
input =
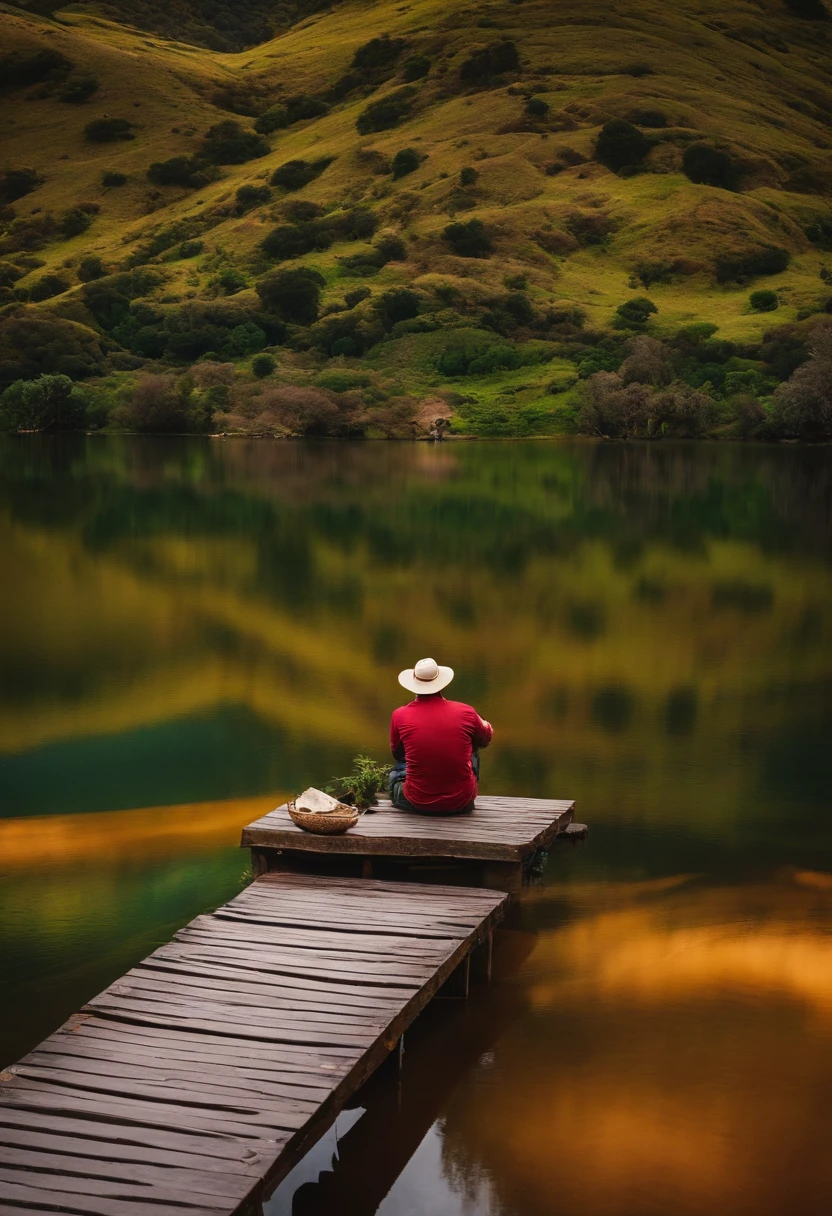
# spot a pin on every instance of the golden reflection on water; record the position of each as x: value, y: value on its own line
x: 143, y: 834
x: 773, y: 940
x: 675, y: 1058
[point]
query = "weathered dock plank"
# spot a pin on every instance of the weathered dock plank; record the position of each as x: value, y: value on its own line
x: 491, y: 844
x: 212, y: 1065
x: 498, y: 829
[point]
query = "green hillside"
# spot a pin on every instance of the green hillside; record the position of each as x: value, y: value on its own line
x: 472, y: 195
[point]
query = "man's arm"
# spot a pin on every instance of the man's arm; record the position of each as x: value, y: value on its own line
x: 396, y: 745
x: 483, y: 733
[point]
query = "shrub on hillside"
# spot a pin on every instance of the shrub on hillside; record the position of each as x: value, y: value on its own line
x: 648, y: 118
x: 536, y: 107
x: 648, y: 362
x: 293, y: 295
x: 620, y: 145
x: 763, y: 301
x: 803, y: 405
x: 46, y: 287
x: 248, y: 197
x: 565, y: 158
x: 475, y: 353
x: 468, y: 239
x: 31, y: 345
x: 819, y: 232
x: 113, y: 179
x: 634, y: 314
x: 371, y: 64
x: 509, y: 311
x: 49, y: 403
x: 17, y: 183
x: 274, y: 119
x: 415, y: 67
x: 357, y: 296
x: 309, y: 411
x: 184, y: 171
x: 399, y: 304
x: 263, y: 365
x: 229, y: 143
x: 809, y: 10
x: 108, y: 130
x: 406, y: 160
x: 741, y: 266
x: 10, y: 274
x: 387, y: 112
x: 190, y: 249
x: 364, y: 264
x: 301, y: 210
x: 468, y: 176
x: 396, y: 418
x: 378, y: 53
x: 196, y: 329
x: 288, y: 241
x: 90, y: 268
x: 75, y: 221
x: 295, y: 174
x: 227, y: 282
x: 208, y: 374
x: 293, y: 240
x: 79, y: 90
x: 159, y: 406
x: 184, y: 333
x: 391, y: 248
x: 589, y: 227
x: 490, y: 61
x: 710, y: 166
x: 613, y: 410
x: 784, y: 349
x: 303, y: 106
x: 28, y: 232
x: 18, y: 70
x: 649, y: 271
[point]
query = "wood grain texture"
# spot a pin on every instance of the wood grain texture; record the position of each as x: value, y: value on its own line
x: 215, y: 1063
x: 498, y: 829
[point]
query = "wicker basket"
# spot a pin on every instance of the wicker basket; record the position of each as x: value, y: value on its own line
x: 329, y: 824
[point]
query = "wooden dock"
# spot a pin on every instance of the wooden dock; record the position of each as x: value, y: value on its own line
x: 208, y: 1070
x: 494, y: 841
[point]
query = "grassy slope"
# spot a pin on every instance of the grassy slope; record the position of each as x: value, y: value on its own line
x: 716, y: 71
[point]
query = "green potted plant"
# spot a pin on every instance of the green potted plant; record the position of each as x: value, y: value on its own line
x: 361, y: 786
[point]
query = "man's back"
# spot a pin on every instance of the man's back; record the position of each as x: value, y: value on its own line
x: 436, y: 738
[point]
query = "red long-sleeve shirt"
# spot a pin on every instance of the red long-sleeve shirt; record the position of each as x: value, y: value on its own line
x: 436, y: 737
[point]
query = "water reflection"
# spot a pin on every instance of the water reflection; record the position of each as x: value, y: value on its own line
x: 191, y: 626
x: 677, y: 1057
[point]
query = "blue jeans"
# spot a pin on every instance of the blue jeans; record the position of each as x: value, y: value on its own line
x: 395, y: 784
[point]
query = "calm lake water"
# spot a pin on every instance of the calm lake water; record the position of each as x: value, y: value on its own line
x: 191, y: 628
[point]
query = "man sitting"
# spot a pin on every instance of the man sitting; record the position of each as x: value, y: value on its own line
x: 434, y: 742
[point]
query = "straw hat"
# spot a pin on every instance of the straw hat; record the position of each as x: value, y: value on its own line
x: 427, y: 676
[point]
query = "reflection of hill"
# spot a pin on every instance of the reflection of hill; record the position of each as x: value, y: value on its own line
x: 697, y: 1065
x: 630, y: 616
x: 146, y: 834
x: 84, y: 897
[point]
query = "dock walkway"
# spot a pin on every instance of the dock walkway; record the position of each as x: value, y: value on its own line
x: 213, y: 1065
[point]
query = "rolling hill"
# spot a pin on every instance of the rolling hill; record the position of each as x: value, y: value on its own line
x: 470, y: 212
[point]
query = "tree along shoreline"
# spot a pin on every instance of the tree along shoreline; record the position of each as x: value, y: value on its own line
x: 587, y: 440
x: 636, y: 386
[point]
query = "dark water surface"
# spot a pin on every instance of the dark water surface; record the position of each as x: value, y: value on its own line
x: 191, y: 628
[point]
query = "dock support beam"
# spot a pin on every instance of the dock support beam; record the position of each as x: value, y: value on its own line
x: 503, y: 876
x: 457, y: 984
x: 481, y: 957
